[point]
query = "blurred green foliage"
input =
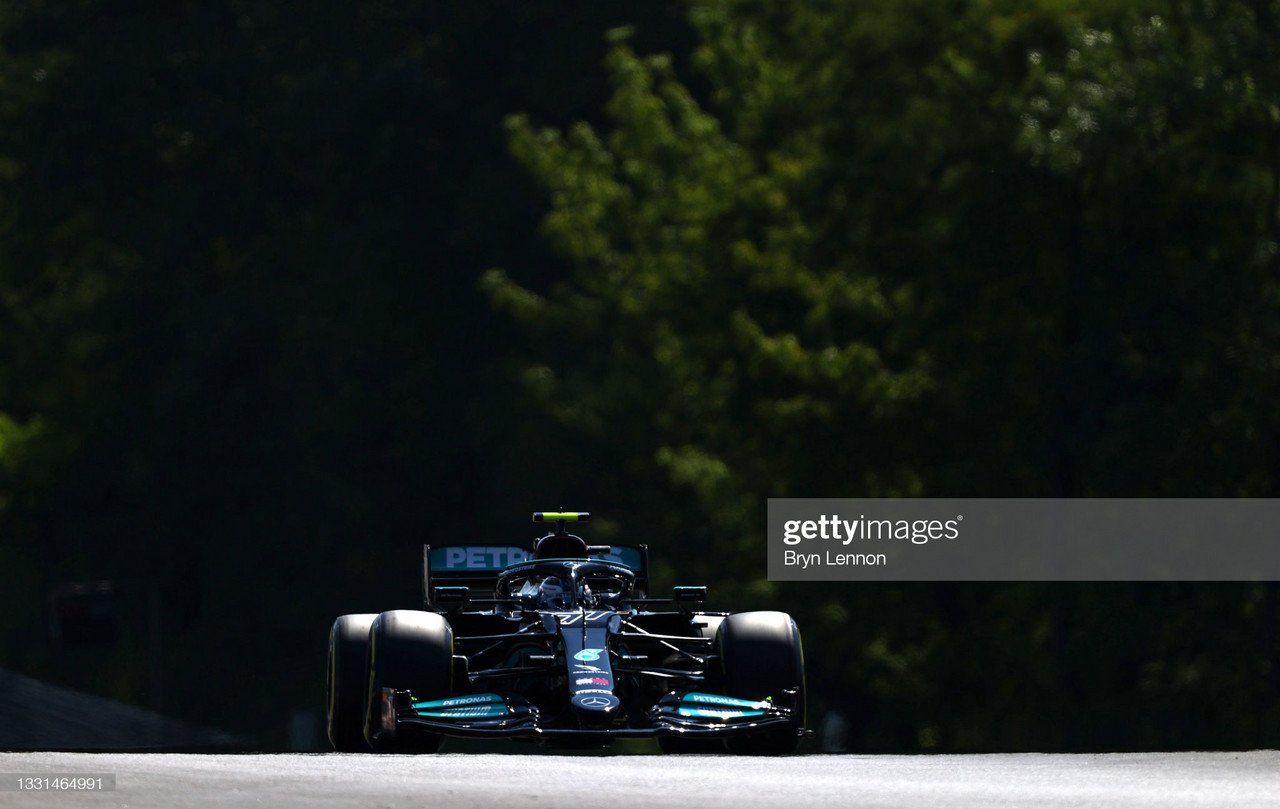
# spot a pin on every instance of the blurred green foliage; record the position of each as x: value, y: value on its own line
x: 899, y: 249
x: 250, y: 346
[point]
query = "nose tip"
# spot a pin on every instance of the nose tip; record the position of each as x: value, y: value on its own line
x: 596, y: 703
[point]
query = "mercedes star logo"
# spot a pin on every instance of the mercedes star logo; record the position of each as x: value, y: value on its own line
x: 594, y: 702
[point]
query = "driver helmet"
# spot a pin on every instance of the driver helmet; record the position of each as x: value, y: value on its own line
x: 552, y: 593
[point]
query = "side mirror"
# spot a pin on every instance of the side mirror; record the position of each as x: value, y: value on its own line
x: 689, y: 595
x: 453, y: 596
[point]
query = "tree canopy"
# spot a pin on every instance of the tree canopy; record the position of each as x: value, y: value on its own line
x: 899, y: 249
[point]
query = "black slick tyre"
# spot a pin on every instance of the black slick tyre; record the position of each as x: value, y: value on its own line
x: 408, y: 650
x: 763, y: 659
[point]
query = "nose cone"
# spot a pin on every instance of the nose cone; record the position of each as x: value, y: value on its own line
x: 596, y: 705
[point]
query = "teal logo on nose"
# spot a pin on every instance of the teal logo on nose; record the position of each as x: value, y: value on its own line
x: 588, y: 655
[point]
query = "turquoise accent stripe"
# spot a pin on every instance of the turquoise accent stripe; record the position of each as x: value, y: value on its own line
x: 729, y: 702
x: 708, y: 713
x: 477, y: 712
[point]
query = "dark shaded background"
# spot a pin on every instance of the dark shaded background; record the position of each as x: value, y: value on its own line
x: 254, y: 350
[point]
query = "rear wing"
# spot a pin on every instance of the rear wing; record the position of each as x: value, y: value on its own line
x: 478, y: 566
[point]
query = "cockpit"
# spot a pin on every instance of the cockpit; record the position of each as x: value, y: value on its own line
x: 556, y: 584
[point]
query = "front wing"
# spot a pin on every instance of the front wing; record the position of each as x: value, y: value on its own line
x: 684, y: 714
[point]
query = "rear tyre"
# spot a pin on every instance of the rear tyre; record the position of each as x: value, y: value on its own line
x: 408, y: 650
x: 346, y: 681
x: 763, y: 659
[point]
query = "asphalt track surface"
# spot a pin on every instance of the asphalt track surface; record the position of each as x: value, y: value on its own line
x: 654, y: 782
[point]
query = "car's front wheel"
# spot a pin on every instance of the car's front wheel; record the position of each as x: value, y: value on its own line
x: 763, y: 660
x: 409, y: 650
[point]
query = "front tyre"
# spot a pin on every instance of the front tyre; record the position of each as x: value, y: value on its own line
x: 409, y: 650
x: 347, y: 679
x: 763, y: 659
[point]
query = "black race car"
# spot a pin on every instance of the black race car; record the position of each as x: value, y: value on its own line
x: 564, y: 646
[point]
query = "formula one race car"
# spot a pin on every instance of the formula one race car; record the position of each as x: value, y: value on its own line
x: 562, y: 647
